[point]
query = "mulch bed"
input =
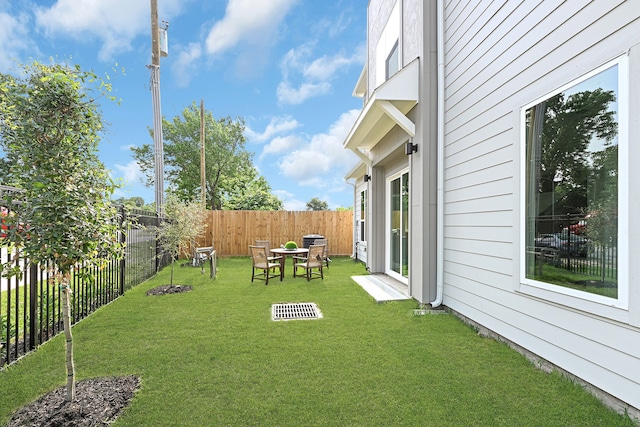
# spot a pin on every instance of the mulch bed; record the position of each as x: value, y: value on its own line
x: 98, y: 402
x: 169, y: 289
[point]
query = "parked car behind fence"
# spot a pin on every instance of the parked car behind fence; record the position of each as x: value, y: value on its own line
x: 567, y: 244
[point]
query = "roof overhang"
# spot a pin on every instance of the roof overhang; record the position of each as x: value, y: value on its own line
x: 360, y: 91
x: 356, y: 172
x: 386, y: 108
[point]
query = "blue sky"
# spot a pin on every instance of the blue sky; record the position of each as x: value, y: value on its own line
x: 288, y: 67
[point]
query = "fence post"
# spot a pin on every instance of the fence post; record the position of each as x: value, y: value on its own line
x: 123, y: 239
x: 33, y: 306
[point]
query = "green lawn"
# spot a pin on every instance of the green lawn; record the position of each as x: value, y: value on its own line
x: 213, y: 356
x: 582, y: 282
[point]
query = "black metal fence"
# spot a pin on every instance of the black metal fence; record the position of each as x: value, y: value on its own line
x: 31, y: 305
x: 565, y: 242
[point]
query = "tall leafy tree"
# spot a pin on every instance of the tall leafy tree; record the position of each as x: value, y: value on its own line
x: 232, y: 182
x: 63, y: 217
x: 132, y: 202
x: 603, y: 210
x: 251, y: 193
x: 570, y: 124
x: 316, y: 204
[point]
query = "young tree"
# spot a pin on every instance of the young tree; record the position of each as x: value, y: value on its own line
x: 63, y: 218
x: 316, y: 204
x: 186, y: 221
x: 227, y: 161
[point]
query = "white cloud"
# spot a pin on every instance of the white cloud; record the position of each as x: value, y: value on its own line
x: 249, y: 21
x: 291, y: 95
x: 312, y: 77
x: 340, y: 24
x: 325, y: 68
x: 185, y: 63
x: 295, y: 59
x: 280, y: 144
x: 294, y: 205
x: 323, y: 161
x: 276, y: 125
x: 130, y: 172
x: 306, y: 166
x: 289, y: 202
x: 115, y: 23
x: 14, y: 39
x: 283, y: 194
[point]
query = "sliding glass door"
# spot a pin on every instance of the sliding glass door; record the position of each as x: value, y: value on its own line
x: 398, y: 227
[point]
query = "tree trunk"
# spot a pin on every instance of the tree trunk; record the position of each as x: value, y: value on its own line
x: 66, y: 316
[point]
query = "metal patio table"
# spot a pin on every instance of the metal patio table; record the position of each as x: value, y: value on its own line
x: 288, y: 252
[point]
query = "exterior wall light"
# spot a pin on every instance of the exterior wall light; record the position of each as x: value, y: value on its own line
x: 410, y: 148
x: 367, y: 178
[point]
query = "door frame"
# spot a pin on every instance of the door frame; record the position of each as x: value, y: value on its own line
x: 387, y: 227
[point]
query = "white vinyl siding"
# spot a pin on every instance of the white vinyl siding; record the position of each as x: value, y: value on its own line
x: 499, y: 57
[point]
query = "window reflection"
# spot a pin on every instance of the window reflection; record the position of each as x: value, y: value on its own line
x: 572, y: 187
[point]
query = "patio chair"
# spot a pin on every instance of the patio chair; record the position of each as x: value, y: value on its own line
x: 311, y: 261
x: 325, y: 255
x: 261, y: 263
x: 267, y: 245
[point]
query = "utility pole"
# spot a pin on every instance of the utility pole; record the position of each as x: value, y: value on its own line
x: 203, y: 193
x: 158, y: 151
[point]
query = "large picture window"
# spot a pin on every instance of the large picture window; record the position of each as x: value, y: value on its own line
x: 572, y: 186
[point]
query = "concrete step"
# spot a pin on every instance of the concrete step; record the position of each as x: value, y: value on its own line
x: 382, y: 288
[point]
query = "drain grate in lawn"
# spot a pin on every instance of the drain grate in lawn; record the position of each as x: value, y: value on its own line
x: 294, y: 311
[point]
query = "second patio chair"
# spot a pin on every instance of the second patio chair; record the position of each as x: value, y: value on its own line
x: 325, y: 255
x: 261, y: 263
x: 312, y: 261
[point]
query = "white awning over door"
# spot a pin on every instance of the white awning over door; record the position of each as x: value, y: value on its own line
x: 386, y: 108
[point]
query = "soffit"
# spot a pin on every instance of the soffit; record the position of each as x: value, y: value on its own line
x: 386, y: 108
x: 357, y: 172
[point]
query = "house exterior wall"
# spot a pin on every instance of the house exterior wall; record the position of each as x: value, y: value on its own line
x: 388, y: 159
x: 499, y: 57
x: 379, y: 13
x: 388, y: 155
x: 412, y: 26
x: 377, y: 16
x: 424, y: 167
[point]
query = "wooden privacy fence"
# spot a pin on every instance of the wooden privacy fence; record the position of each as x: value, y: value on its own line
x: 231, y: 232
